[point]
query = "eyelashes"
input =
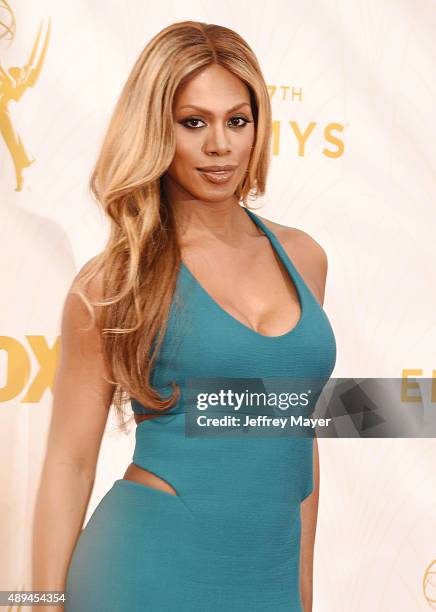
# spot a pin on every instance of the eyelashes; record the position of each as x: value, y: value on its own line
x: 185, y: 122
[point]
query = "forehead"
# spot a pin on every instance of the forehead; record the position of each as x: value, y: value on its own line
x: 214, y: 88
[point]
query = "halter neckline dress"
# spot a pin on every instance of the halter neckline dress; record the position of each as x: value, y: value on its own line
x: 229, y: 540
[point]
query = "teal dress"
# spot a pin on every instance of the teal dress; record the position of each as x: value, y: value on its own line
x: 229, y: 541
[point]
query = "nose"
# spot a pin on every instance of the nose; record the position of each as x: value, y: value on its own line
x: 217, y: 140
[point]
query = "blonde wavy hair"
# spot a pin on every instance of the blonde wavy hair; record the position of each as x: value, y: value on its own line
x: 139, y: 264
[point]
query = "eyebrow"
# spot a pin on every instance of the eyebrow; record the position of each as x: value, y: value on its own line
x: 206, y: 112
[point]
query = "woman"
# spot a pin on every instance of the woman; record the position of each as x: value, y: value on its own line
x: 191, y: 284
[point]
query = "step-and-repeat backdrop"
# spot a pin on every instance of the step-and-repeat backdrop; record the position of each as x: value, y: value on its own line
x: 353, y: 109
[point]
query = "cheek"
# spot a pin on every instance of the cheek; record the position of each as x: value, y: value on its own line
x: 184, y: 152
x: 182, y: 161
x: 245, y: 145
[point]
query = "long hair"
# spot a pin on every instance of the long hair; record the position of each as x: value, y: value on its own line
x: 139, y: 264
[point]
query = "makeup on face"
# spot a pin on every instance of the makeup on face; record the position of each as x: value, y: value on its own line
x: 214, y: 132
x: 220, y: 173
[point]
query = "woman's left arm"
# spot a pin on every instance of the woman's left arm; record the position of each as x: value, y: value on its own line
x: 313, y: 264
x: 309, y: 516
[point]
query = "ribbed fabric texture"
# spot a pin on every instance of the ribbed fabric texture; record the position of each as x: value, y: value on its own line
x: 230, y: 540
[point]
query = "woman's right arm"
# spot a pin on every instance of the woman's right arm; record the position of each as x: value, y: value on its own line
x: 81, y: 402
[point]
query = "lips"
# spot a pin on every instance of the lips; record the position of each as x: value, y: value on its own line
x: 217, y: 176
x: 217, y: 168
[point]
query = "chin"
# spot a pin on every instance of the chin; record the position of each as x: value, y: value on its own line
x: 216, y: 195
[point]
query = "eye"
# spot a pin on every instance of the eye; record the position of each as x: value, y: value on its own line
x: 185, y: 122
x: 243, y: 119
x: 189, y: 120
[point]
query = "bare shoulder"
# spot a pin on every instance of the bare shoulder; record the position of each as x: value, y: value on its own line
x: 85, y: 289
x: 91, y: 274
x: 306, y: 253
x: 89, y: 279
